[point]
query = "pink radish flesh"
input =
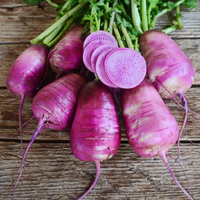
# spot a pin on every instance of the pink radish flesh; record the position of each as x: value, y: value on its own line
x: 100, y: 35
x: 125, y: 67
x: 100, y: 69
x: 97, y: 52
x: 54, y: 107
x: 168, y: 67
x: 87, y: 53
x: 95, y: 133
x: 150, y: 126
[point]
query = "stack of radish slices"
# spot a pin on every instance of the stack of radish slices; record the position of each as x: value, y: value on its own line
x: 115, y: 67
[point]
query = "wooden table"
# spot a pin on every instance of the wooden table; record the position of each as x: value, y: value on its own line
x: 51, y: 171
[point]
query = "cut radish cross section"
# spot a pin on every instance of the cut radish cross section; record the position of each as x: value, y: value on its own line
x: 100, y: 35
x: 125, y: 67
x: 100, y: 69
x: 87, y: 53
x: 97, y: 52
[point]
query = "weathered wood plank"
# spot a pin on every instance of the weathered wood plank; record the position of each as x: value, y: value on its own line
x: 51, y: 171
x: 9, y: 106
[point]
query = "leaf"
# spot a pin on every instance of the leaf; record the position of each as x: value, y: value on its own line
x: 190, y: 4
x: 32, y: 2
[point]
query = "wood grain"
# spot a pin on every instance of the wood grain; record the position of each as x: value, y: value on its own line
x: 51, y: 171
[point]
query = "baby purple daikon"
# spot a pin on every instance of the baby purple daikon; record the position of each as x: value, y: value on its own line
x: 66, y: 56
x: 54, y: 107
x: 26, y: 73
x: 168, y: 67
x: 150, y: 126
x: 95, y: 133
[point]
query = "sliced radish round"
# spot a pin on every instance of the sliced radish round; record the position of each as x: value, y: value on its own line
x: 98, y: 51
x: 125, y: 67
x: 100, y: 69
x: 100, y: 35
x: 87, y: 53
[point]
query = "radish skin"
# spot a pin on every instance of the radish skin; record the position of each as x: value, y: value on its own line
x: 26, y: 73
x: 54, y: 107
x: 66, y: 56
x: 150, y: 126
x: 168, y: 67
x: 95, y: 133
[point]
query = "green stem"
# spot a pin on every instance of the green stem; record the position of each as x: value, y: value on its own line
x: 61, y: 33
x: 178, y: 17
x: 135, y: 17
x: 55, y: 5
x: 118, y: 36
x: 163, y: 12
x: 124, y: 31
x: 40, y: 37
x: 144, y: 15
x: 169, y: 29
x: 111, y: 23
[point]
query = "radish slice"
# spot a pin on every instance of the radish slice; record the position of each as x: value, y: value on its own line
x: 125, y: 67
x: 97, y: 52
x: 100, y: 35
x: 100, y: 69
x: 87, y: 53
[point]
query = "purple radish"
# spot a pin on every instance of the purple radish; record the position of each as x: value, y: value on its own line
x: 100, y: 69
x: 54, y: 107
x: 66, y: 56
x: 125, y: 67
x: 168, y: 67
x: 27, y: 73
x: 100, y: 35
x: 87, y: 53
x: 150, y: 126
x: 97, y: 52
x: 95, y: 133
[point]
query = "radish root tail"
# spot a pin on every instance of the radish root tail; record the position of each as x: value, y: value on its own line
x: 98, y: 169
x: 38, y: 130
x: 163, y: 156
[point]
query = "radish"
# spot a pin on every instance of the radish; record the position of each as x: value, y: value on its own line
x: 150, y: 126
x: 100, y: 69
x: 26, y: 73
x: 97, y: 52
x: 168, y: 67
x: 125, y: 67
x: 95, y: 133
x: 66, y: 56
x: 54, y: 107
x: 90, y: 48
x: 100, y: 35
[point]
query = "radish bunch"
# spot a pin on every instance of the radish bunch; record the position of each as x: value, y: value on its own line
x: 116, y: 67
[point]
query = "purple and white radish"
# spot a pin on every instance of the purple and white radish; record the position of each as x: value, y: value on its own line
x: 66, y: 56
x: 54, y: 107
x: 97, y: 52
x: 27, y: 73
x: 90, y: 48
x: 100, y: 69
x: 168, y: 67
x: 95, y: 133
x: 125, y: 67
x: 150, y: 126
x: 100, y: 35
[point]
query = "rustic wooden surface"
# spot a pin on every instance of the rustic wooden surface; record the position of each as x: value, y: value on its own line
x: 51, y: 171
